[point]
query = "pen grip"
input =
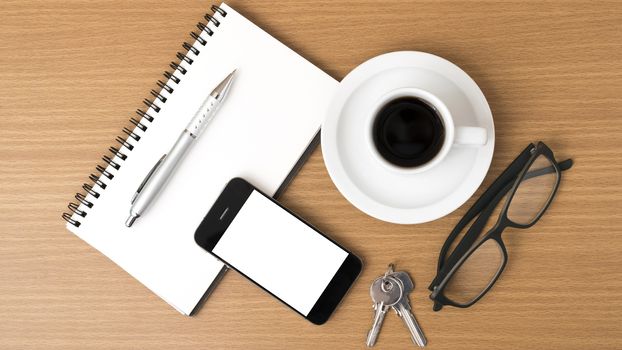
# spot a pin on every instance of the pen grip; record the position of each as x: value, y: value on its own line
x: 202, y: 117
x: 162, y: 174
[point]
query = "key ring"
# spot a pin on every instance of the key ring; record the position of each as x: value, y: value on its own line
x: 386, y: 285
x: 390, y: 270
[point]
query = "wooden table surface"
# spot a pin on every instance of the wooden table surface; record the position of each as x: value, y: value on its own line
x: 73, y: 72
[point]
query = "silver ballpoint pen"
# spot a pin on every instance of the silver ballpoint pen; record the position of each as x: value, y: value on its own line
x: 157, y: 178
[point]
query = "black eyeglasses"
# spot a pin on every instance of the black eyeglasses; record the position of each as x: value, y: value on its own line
x: 530, y: 183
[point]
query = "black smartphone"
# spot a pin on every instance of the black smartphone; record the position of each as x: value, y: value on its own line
x: 278, y: 251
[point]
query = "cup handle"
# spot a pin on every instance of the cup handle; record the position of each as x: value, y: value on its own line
x: 470, y: 135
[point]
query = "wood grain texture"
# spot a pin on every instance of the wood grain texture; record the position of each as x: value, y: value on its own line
x: 73, y: 72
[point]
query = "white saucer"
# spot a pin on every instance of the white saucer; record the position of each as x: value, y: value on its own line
x: 368, y: 184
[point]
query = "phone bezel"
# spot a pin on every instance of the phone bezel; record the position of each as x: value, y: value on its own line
x: 214, y: 225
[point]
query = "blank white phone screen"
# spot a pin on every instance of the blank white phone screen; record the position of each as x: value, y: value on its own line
x: 280, y: 252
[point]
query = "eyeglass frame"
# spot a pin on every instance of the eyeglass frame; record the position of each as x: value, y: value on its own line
x: 483, y: 208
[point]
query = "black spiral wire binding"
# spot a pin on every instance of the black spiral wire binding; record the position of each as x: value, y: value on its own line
x: 158, y: 96
x: 131, y: 134
x: 211, y: 18
x: 126, y: 144
x: 97, y: 181
x: 196, y: 37
x: 117, y: 152
x: 104, y: 172
x: 82, y: 199
x: 183, y: 57
x: 111, y: 162
x: 75, y: 208
x: 172, y: 77
x: 138, y: 124
x: 89, y: 189
x: 203, y: 28
x: 191, y: 48
x: 165, y: 86
x: 144, y: 115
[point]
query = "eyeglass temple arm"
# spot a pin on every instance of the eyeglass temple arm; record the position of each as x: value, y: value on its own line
x: 563, y: 166
x: 475, y: 230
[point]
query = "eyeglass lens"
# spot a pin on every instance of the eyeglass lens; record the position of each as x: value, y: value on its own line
x: 534, y: 192
x: 475, y: 274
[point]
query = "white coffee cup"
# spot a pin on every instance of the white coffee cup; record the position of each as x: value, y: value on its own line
x: 463, y: 135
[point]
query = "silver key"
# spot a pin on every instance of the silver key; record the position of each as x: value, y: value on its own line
x: 403, y: 309
x: 386, y: 291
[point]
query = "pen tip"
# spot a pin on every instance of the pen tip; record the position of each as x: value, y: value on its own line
x: 230, y: 76
x: 130, y: 220
x: 221, y: 90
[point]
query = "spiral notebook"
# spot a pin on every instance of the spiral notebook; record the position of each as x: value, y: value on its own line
x: 268, y: 122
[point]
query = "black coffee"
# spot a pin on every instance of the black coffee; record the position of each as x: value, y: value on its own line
x: 408, y: 132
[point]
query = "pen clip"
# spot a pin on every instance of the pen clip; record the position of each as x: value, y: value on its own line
x: 149, y: 174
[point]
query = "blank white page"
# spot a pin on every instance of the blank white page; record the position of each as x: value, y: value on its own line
x: 274, y: 108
